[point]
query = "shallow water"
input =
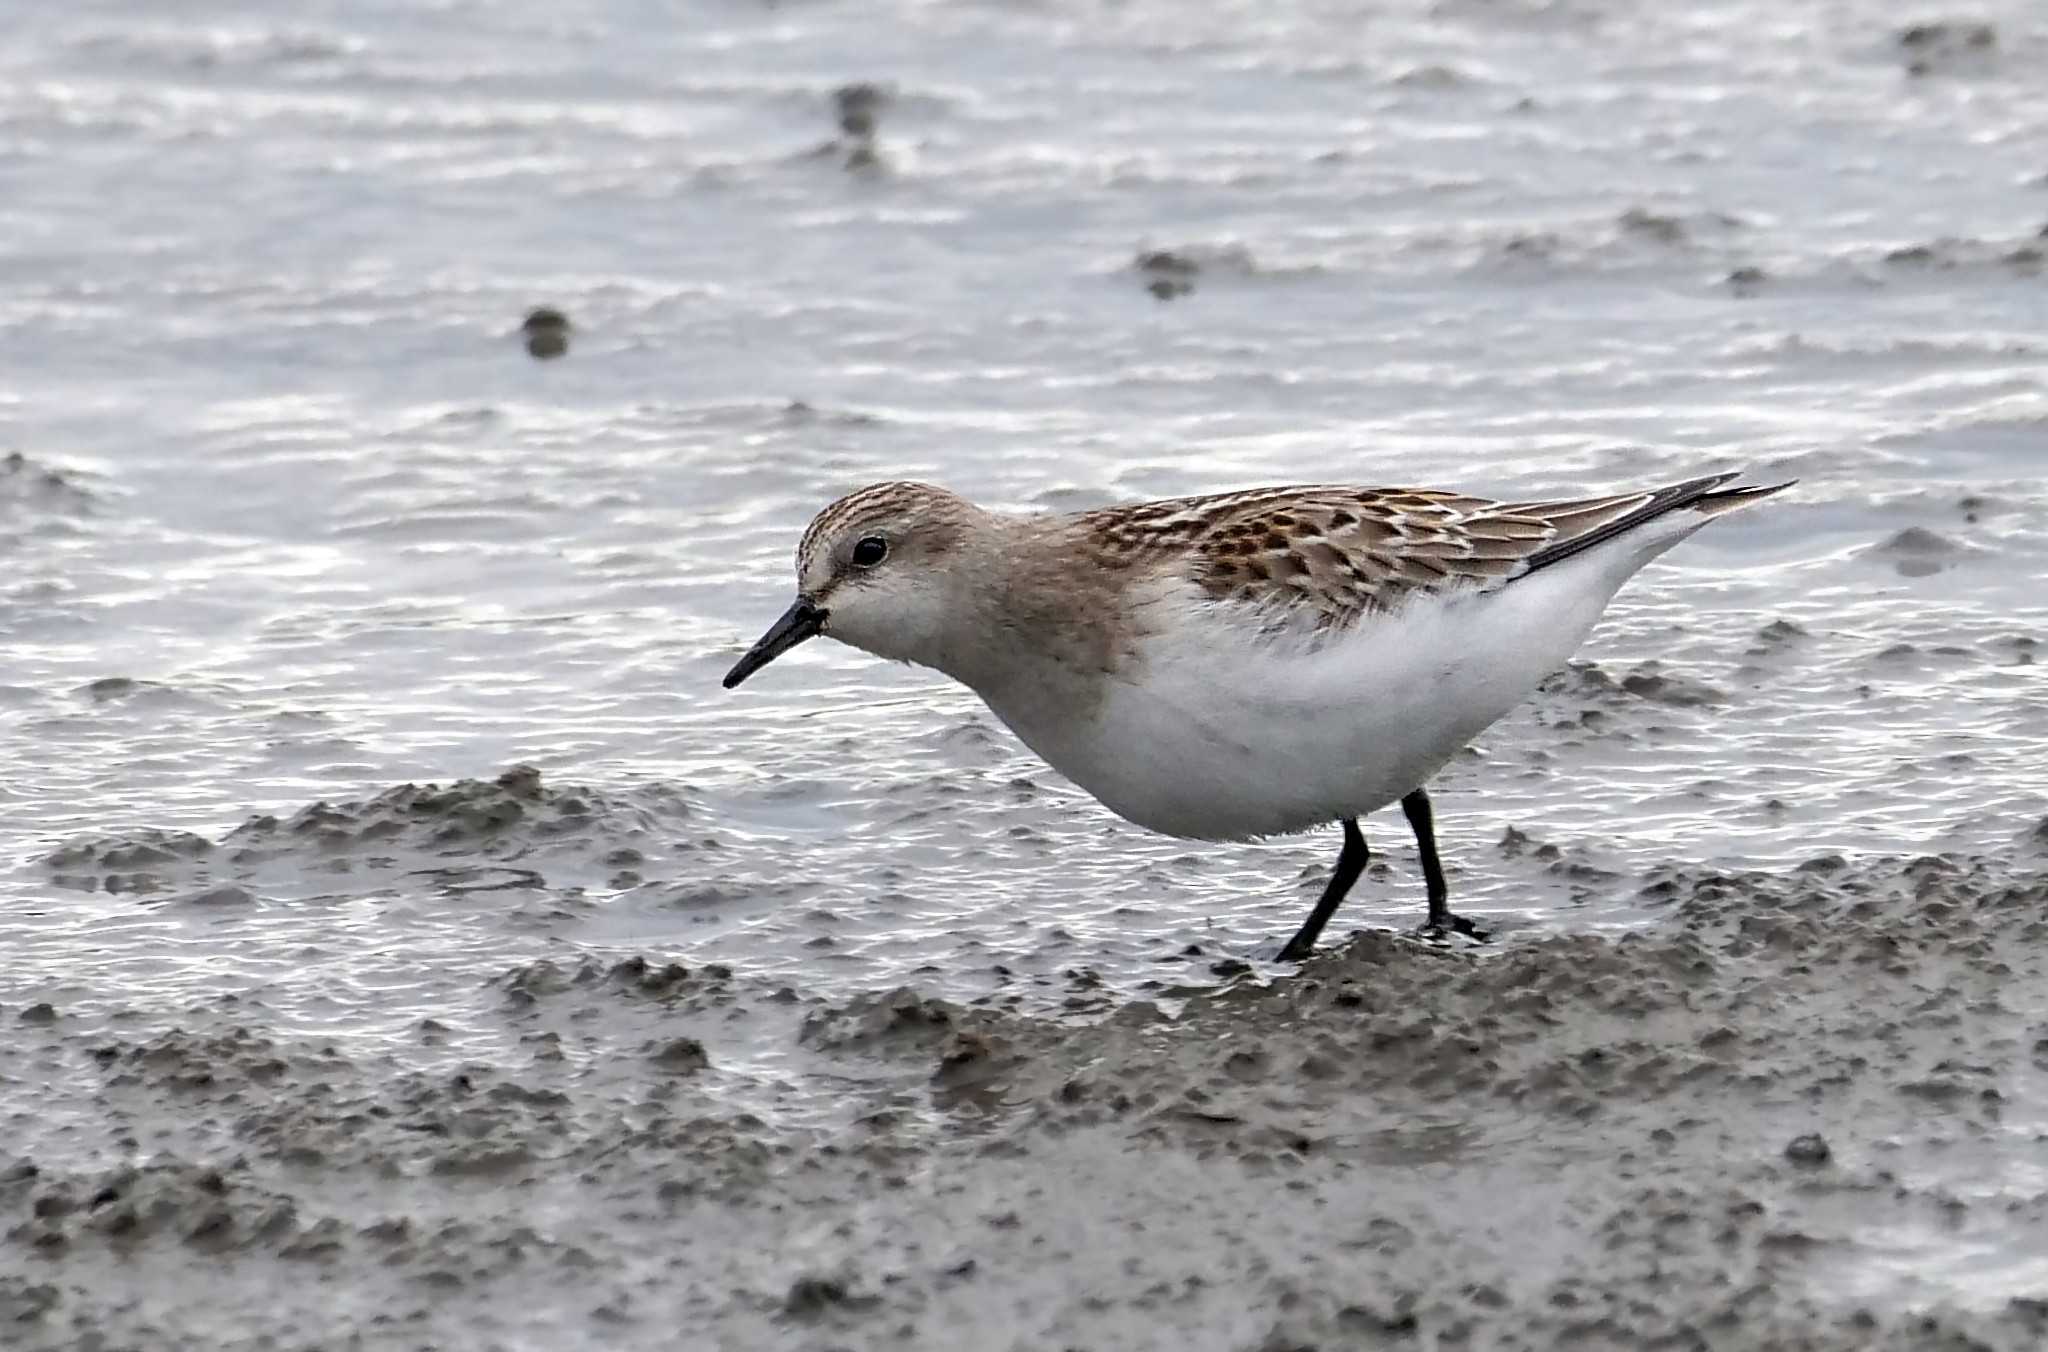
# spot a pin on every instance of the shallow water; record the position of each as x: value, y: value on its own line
x: 297, y: 520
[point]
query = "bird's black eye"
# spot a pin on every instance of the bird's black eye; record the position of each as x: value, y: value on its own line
x: 870, y: 550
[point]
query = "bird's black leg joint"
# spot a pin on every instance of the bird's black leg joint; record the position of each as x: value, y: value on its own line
x: 1442, y: 922
x: 1350, y: 863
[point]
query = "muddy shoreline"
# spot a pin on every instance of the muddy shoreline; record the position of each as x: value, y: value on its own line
x: 404, y: 396
x: 1724, y: 1129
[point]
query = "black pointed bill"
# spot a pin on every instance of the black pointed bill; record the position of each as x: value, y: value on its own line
x: 801, y: 621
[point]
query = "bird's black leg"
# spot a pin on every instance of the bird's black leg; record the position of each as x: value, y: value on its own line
x: 1350, y: 863
x: 1441, y: 923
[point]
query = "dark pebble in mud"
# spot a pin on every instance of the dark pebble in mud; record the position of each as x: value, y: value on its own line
x: 1167, y: 274
x: 1810, y: 1149
x: 1975, y: 506
x: 810, y: 1297
x: 683, y: 1056
x: 858, y: 107
x: 547, y: 333
x: 1647, y: 224
x: 1947, y: 47
x: 1166, y: 263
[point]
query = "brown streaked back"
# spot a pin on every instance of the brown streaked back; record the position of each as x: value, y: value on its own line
x: 1339, y: 553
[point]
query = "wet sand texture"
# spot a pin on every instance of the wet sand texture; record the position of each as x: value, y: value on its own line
x: 404, y: 943
x: 1761, y: 1121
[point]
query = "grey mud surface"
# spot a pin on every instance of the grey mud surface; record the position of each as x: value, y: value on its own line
x: 1766, y: 1119
x: 397, y: 394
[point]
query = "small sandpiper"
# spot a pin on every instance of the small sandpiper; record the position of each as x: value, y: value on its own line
x: 1243, y: 664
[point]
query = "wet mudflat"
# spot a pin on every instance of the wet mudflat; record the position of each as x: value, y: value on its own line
x: 408, y: 944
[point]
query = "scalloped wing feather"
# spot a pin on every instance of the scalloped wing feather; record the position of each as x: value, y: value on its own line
x: 1337, y: 553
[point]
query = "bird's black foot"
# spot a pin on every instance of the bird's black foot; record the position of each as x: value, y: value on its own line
x: 1440, y: 928
x: 1295, y: 950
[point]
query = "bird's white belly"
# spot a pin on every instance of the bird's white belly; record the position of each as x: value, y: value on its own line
x: 1216, y: 737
